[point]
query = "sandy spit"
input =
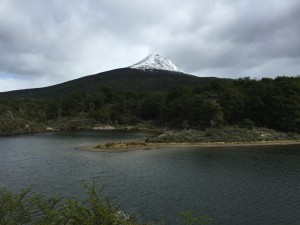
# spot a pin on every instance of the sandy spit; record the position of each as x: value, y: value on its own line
x: 150, y: 146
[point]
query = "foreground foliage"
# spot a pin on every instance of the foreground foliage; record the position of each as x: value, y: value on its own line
x: 25, y: 208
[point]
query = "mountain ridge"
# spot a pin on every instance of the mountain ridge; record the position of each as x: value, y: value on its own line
x: 123, y: 79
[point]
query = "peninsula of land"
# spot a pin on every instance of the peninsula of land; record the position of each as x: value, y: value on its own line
x: 218, y: 137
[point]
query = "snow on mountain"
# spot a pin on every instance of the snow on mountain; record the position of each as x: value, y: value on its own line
x: 155, y: 62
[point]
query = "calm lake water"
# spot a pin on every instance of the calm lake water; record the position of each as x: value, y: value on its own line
x: 233, y: 185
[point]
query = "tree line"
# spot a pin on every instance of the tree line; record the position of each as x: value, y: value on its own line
x: 272, y: 103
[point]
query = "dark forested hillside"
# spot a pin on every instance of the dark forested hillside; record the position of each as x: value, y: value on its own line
x: 164, y: 99
x: 124, y: 79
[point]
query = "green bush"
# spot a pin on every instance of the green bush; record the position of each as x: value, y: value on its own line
x: 188, y: 219
x: 26, y: 208
x: 247, y: 123
x: 15, y: 208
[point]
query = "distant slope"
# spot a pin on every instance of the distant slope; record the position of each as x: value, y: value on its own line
x: 124, y: 79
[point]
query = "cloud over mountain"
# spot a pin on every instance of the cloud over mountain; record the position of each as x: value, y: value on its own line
x: 46, y: 42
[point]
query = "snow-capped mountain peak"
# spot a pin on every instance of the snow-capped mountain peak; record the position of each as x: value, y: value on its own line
x: 155, y: 62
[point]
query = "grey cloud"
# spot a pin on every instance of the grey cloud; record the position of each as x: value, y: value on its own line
x: 54, y: 41
x: 243, y: 37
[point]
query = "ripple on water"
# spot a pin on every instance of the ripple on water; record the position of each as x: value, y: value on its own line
x: 234, y: 185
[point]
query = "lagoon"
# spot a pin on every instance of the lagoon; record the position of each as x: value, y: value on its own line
x: 233, y: 185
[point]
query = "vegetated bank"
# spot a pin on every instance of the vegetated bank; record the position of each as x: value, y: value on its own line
x: 211, y: 103
x: 226, y: 136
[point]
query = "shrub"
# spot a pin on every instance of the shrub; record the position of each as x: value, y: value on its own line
x: 22, y: 209
x: 247, y: 123
x: 26, y: 208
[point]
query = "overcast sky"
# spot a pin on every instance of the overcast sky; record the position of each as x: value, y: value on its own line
x: 44, y: 42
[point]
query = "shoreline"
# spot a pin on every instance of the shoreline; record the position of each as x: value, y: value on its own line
x: 47, y: 129
x: 152, y: 145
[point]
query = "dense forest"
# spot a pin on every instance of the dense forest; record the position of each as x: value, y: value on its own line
x: 272, y: 103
